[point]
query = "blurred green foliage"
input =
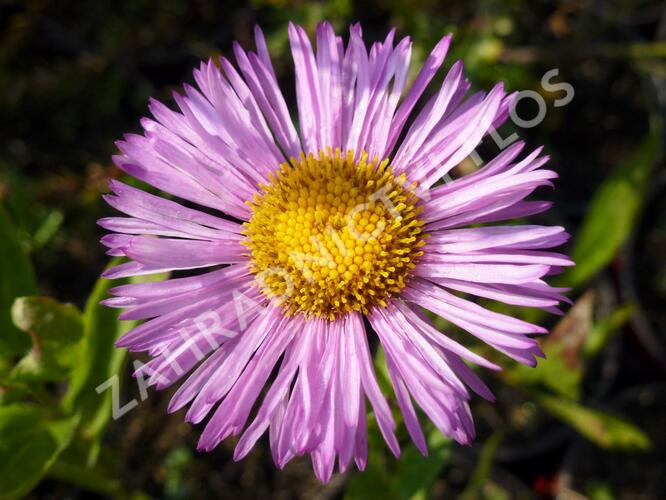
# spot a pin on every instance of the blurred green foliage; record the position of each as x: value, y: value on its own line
x: 407, y: 478
x: 612, y: 213
x: 16, y: 278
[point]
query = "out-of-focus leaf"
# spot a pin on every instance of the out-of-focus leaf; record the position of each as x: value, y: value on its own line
x: 381, y: 371
x: 604, y: 329
x: 644, y: 50
x: 572, y: 341
x: 373, y: 483
x: 176, y: 465
x: 494, y: 491
x: 17, y: 278
x: 415, y: 472
x: 102, y: 478
x: 54, y: 328
x: 93, y: 479
x: 606, y: 431
x: 12, y: 392
x: 52, y: 362
x: 19, y: 200
x: 563, y: 369
x: 47, y: 319
x: 98, y: 361
x: 407, y: 477
x: 612, y: 214
x: 48, y: 228
x: 600, y: 490
x: 26, y: 462
x: 481, y: 473
x: 17, y: 421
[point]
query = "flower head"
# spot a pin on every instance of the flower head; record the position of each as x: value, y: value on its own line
x: 306, y: 232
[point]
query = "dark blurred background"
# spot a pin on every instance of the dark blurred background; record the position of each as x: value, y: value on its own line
x: 75, y: 76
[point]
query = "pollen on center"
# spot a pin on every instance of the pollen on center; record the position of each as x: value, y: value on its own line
x: 330, y: 234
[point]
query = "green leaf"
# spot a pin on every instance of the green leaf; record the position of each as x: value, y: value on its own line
x: 48, y: 228
x: 600, y: 490
x: 416, y: 472
x: 28, y: 460
x: 568, y: 348
x: 50, y: 363
x: 481, y: 474
x: 102, y: 478
x: 602, y: 331
x: 19, y: 201
x: 53, y: 328
x: 47, y: 319
x: 95, y: 479
x: 17, y: 278
x: 612, y: 214
x: 643, y: 50
x: 12, y: 392
x: 606, y: 431
x: 407, y: 478
x: 98, y: 361
x: 374, y: 483
x: 562, y: 371
x: 17, y: 421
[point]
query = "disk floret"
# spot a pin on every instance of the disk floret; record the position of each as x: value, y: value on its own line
x: 330, y: 234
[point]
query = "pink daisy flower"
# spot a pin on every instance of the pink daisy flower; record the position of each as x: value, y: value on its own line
x: 320, y: 238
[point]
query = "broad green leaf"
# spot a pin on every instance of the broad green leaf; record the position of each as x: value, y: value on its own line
x: 17, y: 421
x: 47, y: 319
x: 98, y: 361
x: 612, y: 214
x: 50, y: 363
x: 53, y: 328
x: 606, y: 431
x: 17, y: 278
x: 30, y: 458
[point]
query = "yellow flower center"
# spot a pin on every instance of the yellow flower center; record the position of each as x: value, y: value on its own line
x: 330, y: 235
